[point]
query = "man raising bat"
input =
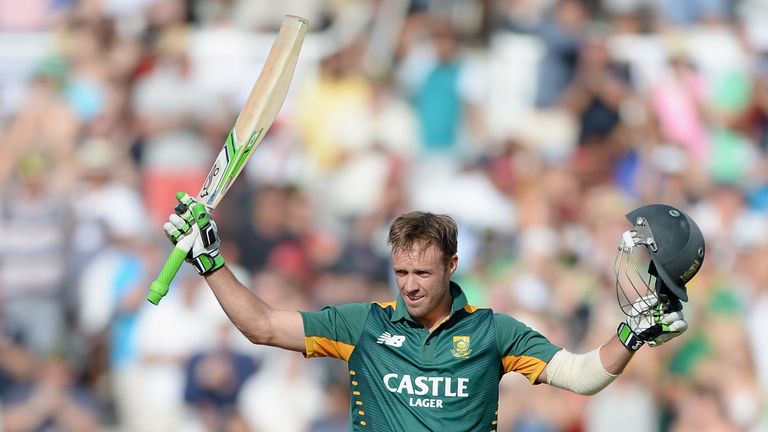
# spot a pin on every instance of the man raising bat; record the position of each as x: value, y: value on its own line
x: 428, y: 360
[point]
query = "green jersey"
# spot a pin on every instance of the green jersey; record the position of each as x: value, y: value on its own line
x: 405, y: 378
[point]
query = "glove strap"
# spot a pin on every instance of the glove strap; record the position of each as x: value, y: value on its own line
x: 628, y: 337
x: 206, y: 264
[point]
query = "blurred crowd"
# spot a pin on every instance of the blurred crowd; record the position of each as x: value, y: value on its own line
x: 536, y: 124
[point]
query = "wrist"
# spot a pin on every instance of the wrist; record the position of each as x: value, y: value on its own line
x: 218, y: 262
x: 628, y: 337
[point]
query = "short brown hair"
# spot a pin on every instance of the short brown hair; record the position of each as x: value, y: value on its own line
x: 424, y: 229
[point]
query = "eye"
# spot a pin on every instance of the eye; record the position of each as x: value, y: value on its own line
x: 401, y: 272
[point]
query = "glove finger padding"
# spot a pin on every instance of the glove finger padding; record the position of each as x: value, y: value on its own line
x: 171, y: 232
x: 180, y: 224
x: 176, y: 227
x: 662, y: 338
x: 184, y: 199
x: 641, y: 306
x: 672, y: 317
x: 678, y: 326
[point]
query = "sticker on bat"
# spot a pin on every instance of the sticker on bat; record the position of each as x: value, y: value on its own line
x: 214, y: 172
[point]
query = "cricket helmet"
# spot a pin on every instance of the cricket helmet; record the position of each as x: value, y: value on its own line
x: 673, y: 247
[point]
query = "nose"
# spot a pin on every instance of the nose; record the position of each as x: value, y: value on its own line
x: 409, y: 284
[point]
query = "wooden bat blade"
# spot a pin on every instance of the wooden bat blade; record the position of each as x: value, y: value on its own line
x: 258, y: 113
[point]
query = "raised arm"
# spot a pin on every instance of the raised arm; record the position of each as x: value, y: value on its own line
x: 192, y: 227
x: 258, y: 321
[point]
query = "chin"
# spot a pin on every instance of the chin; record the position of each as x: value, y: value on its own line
x: 415, y: 313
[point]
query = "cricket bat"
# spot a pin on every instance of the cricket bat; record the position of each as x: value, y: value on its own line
x: 257, y: 115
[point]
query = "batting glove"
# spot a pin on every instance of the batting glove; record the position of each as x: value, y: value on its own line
x: 649, y: 321
x: 191, y: 228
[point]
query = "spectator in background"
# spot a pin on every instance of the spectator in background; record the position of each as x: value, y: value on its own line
x: 595, y: 97
x: 360, y: 254
x: 752, y: 275
x: 214, y: 380
x: 758, y: 124
x: 102, y: 186
x: 17, y: 364
x: 34, y: 246
x: 87, y: 86
x: 562, y: 32
x: 678, y: 102
x: 733, y: 152
x: 334, y: 419
x: 702, y: 410
x: 32, y: 15
x: 676, y: 13
x: 265, y: 230
x: 112, y: 288
x: 43, y: 104
x: 440, y: 85
x: 331, y: 108
x: 628, y: 406
x: 756, y: 321
x: 53, y: 401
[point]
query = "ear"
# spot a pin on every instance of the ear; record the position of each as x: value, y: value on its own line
x: 453, y: 263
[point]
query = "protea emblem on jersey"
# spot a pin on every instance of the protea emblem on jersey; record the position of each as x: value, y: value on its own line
x: 461, y: 347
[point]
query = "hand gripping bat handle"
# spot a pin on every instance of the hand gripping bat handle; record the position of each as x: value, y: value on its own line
x: 159, y: 287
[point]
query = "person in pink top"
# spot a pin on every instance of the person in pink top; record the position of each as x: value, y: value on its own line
x: 677, y: 102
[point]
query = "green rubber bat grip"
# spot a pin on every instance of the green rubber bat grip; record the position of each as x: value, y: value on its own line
x: 159, y: 287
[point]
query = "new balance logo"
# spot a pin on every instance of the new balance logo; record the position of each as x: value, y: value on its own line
x: 387, y: 339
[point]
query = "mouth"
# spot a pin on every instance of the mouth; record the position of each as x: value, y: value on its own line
x: 413, y: 299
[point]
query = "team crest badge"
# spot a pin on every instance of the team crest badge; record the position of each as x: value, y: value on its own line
x: 461, y: 347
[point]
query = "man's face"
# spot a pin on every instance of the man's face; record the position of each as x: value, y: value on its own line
x: 423, y: 278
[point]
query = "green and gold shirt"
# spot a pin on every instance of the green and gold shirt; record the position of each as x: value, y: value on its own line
x: 404, y: 378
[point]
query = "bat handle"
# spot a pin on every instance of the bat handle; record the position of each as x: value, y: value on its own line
x: 159, y: 287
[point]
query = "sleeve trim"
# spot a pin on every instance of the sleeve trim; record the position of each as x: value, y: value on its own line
x: 530, y: 367
x: 318, y: 346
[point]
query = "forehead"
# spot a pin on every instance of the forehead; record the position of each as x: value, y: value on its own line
x: 418, y: 255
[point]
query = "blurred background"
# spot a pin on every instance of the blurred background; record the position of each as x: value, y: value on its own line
x: 537, y: 124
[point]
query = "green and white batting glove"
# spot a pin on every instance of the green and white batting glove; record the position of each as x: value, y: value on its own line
x: 647, y: 321
x: 191, y: 228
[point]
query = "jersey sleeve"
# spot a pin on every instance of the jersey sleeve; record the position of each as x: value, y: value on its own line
x: 523, y: 349
x: 334, y: 330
